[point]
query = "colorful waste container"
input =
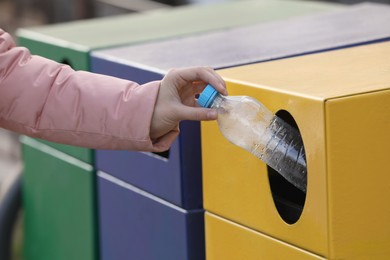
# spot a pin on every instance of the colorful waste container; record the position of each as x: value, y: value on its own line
x: 339, y: 101
x: 71, y: 43
x: 176, y: 176
x: 116, y: 60
x: 158, y: 175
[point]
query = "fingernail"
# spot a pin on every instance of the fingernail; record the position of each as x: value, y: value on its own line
x: 225, y: 93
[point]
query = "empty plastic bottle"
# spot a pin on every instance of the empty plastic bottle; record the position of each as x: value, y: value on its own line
x: 249, y: 124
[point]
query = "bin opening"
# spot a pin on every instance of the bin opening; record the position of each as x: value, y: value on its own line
x: 163, y: 155
x: 289, y: 200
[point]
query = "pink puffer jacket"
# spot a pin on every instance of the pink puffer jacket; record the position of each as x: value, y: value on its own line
x: 48, y: 100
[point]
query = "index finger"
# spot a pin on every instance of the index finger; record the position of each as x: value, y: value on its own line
x: 205, y: 74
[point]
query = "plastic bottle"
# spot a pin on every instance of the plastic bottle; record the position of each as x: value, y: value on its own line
x: 249, y: 124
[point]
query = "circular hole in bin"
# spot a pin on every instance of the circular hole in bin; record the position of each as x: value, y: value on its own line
x: 288, y: 199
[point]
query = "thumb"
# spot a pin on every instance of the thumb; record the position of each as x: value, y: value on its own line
x: 197, y: 113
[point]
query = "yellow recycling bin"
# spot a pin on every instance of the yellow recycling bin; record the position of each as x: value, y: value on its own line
x: 228, y: 241
x: 340, y: 102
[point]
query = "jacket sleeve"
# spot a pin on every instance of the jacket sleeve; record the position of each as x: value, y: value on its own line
x: 48, y: 100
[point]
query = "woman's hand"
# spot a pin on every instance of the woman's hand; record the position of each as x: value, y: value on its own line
x: 176, y: 99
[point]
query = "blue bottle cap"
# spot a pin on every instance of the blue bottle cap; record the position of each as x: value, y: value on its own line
x: 207, y: 97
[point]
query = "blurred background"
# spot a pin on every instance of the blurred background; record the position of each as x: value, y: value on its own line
x: 24, y: 13
x: 19, y: 13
